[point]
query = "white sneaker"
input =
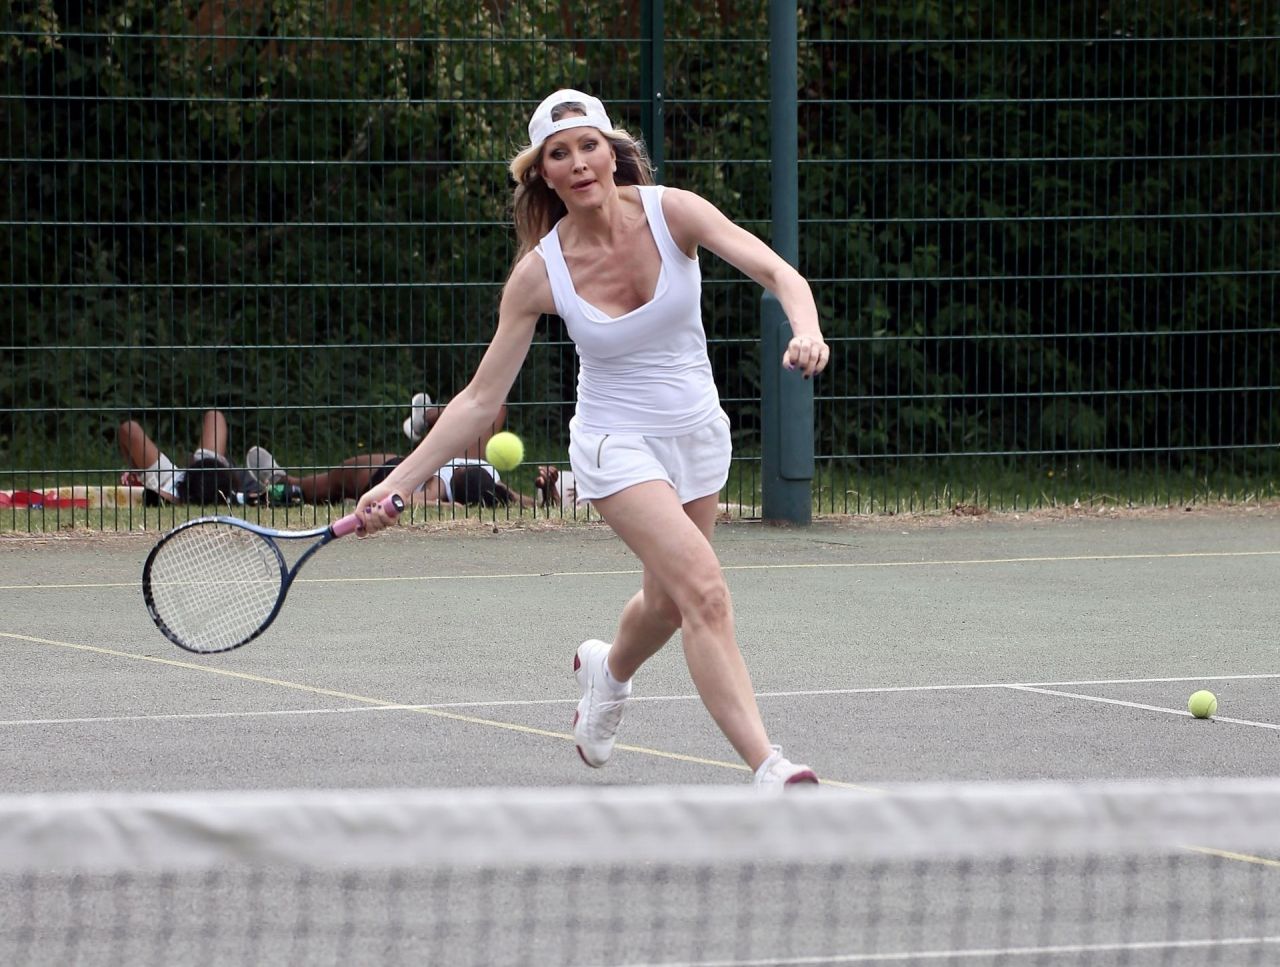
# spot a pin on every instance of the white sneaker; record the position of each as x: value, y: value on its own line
x: 263, y: 466
x: 415, y: 427
x: 777, y: 773
x: 595, y: 723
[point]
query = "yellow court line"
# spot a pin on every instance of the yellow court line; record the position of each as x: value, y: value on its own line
x: 380, y: 702
x: 622, y: 572
x: 1228, y: 855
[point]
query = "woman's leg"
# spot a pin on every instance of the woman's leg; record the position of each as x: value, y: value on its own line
x: 684, y: 587
x: 651, y: 617
x: 346, y: 482
x: 148, y: 467
x: 138, y: 449
x: 213, y: 433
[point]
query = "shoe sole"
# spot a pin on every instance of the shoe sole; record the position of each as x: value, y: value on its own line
x: 262, y: 473
x: 807, y: 777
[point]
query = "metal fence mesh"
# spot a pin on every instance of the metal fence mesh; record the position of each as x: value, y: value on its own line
x: 1051, y: 220
x: 1043, y: 237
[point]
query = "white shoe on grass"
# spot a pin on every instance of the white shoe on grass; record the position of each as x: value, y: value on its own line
x: 595, y: 723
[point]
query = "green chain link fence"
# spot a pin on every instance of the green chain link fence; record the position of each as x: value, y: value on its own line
x: 1044, y: 237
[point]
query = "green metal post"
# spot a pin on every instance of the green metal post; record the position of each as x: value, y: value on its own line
x: 652, y: 116
x: 786, y: 398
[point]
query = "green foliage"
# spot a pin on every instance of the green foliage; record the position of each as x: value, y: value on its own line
x: 1071, y: 254
x: 1033, y: 227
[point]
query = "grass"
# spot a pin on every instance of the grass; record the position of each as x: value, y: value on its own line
x: 973, y: 484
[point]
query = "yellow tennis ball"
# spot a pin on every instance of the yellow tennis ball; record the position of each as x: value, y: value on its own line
x: 1202, y: 704
x: 504, y: 450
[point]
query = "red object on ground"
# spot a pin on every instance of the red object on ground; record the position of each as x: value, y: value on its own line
x: 34, y: 500
x: 26, y: 498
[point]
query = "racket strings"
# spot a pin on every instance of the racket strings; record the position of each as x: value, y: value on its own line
x: 215, y: 585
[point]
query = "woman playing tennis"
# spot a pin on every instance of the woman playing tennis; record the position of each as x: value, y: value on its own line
x: 616, y: 258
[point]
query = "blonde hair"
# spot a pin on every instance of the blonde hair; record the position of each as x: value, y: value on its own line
x: 536, y: 207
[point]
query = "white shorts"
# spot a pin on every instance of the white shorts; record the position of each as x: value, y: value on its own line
x: 163, y: 477
x: 695, y: 464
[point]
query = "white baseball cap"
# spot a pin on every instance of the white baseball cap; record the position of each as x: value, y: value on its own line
x: 542, y: 127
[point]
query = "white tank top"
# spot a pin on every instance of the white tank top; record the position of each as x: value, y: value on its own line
x: 646, y: 371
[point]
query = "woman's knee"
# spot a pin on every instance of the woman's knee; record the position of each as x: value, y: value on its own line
x: 707, y: 602
x: 662, y: 606
x: 129, y: 432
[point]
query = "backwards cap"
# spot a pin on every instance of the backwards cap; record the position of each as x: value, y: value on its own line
x: 542, y: 127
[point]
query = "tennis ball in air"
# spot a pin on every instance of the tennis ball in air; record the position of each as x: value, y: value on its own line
x: 504, y: 450
x: 1202, y: 704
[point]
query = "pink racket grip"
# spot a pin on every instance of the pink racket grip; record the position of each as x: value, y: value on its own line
x: 347, y: 525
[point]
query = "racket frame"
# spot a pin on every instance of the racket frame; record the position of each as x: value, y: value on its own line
x: 392, y: 505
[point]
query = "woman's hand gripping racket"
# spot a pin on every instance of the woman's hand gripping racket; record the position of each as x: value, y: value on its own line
x: 217, y: 583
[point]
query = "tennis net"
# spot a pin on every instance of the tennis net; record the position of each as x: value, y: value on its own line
x: 1046, y: 874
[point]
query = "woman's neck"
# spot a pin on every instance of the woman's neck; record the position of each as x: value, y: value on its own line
x: 603, y: 224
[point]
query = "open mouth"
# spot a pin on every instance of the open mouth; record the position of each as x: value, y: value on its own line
x: 579, y: 185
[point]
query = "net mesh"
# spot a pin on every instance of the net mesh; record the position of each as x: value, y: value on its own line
x: 1044, y: 874
x: 211, y: 586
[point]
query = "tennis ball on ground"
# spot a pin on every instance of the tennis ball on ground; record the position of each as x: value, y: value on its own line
x: 504, y: 450
x: 1202, y: 704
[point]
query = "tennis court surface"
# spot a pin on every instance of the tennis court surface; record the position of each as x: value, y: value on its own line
x: 997, y: 707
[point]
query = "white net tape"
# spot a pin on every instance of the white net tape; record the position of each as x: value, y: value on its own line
x: 407, y: 828
x: 983, y: 874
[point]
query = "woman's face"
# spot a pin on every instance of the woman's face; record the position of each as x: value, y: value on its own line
x: 578, y: 164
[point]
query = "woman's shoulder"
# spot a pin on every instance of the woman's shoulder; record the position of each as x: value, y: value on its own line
x: 681, y: 200
x: 685, y: 213
x: 528, y: 284
x: 685, y: 205
x: 529, y: 267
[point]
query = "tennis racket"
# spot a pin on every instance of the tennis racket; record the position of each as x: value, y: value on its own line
x: 216, y: 583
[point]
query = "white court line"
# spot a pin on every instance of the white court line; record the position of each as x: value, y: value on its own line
x: 184, y: 716
x: 1139, y: 705
x: 969, y: 954
x: 447, y: 714
x: 830, y: 565
x: 813, y: 692
x: 1045, y: 688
